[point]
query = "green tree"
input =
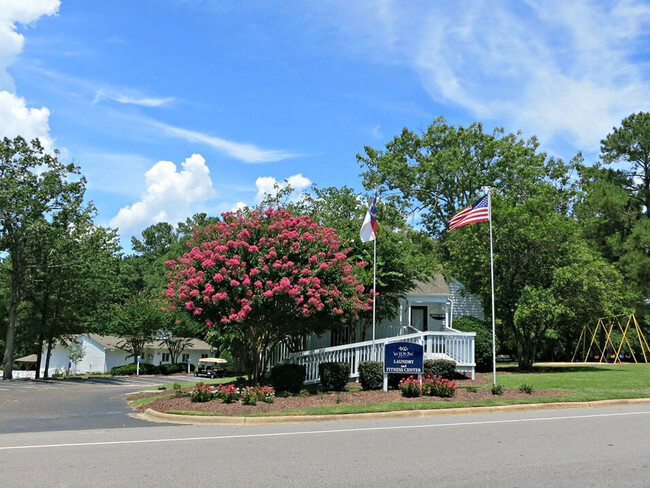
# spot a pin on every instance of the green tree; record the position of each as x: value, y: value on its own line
x: 630, y: 144
x: 445, y: 169
x: 138, y: 321
x: 34, y: 186
x: 403, y: 257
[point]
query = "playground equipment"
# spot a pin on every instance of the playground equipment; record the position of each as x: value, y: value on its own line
x: 610, y: 351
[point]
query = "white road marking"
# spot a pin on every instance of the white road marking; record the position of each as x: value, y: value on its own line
x: 319, y: 432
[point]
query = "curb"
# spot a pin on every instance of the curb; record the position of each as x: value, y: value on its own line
x: 154, y: 416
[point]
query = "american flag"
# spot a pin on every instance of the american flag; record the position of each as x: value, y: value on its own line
x: 476, y: 212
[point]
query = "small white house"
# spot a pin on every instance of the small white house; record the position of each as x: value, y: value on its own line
x: 430, y: 306
x: 101, y: 353
x: 425, y: 316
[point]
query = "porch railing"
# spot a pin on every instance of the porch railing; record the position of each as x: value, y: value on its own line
x: 454, y: 345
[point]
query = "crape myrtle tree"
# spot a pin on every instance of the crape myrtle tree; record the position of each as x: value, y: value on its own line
x: 261, y: 277
x: 445, y: 169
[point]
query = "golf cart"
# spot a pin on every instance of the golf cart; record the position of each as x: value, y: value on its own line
x: 210, y: 367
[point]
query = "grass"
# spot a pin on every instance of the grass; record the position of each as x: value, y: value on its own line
x: 190, y: 384
x: 581, y: 382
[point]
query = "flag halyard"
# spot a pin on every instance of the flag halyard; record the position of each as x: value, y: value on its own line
x: 479, y: 211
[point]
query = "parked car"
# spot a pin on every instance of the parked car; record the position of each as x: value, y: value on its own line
x: 210, y: 367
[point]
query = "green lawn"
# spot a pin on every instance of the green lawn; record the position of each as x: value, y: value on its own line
x: 582, y: 382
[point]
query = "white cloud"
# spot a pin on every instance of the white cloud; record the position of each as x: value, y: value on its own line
x: 132, y: 98
x: 169, y: 195
x: 267, y: 185
x: 559, y: 69
x: 15, y: 117
x: 247, y: 153
x: 565, y: 70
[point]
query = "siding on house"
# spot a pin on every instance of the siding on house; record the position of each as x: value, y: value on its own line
x: 464, y: 306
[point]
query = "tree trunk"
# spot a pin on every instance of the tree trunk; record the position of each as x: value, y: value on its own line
x: 46, y: 372
x: 526, y: 353
x: 39, y: 356
x: 8, y: 361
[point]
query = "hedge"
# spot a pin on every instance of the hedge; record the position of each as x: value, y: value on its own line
x: 334, y: 376
x: 371, y: 375
x: 131, y: 369
x: 288, y: 377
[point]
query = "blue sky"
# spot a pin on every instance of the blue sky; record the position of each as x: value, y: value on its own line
x: 176, y: 106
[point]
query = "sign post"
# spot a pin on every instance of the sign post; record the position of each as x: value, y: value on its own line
x: 189, y: 362
x: 137, y: 368
x: 403, y: 358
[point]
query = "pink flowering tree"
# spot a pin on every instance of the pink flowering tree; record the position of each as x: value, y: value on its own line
x: 263, y: 277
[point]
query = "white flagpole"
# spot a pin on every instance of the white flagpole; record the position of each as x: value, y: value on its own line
x: 494, y: 347
x: 374, y: 294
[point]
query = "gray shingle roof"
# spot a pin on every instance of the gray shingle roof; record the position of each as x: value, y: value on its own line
x: 435, y: 286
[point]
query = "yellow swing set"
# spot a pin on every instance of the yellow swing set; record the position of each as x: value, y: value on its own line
x: 610, y: 351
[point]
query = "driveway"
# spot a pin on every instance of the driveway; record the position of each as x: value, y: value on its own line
x: 71, y: 404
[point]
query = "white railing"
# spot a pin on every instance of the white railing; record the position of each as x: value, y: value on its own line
x: 454, y: 345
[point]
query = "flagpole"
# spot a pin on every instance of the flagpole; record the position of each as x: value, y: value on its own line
x: 374, y: 297
x: 494, y: 347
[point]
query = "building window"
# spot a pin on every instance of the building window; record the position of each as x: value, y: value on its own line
x: 165, y: 357
x: 185, y: 358
x: 204, y: 355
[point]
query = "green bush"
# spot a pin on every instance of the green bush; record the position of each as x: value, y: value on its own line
x: 334, y: 376
x: 440, y: 367
x: 288, y: 377
x: 526, y: 388
x: 130, y: 369
x: 482, y: 342
x: 371, y: 375
x: 497, y: 390
x: 175, y: 368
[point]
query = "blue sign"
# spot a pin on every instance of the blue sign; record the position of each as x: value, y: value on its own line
x: 138, y: 359
x: 403, y: 358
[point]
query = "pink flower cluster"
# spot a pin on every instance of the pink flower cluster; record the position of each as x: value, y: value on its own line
x: 249, y: 265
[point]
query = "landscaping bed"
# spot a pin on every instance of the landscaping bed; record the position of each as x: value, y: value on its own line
x: 168, y: 403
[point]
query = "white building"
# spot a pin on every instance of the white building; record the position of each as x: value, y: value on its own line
x: 430, y: 306
x: 101, y: 353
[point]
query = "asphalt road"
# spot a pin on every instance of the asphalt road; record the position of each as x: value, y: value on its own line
x: 597, y: 447
x: 51, y: 405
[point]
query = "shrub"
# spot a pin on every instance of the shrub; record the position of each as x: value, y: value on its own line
x: 303, y: 393
x: 440, y: 367
x: 526, y: 388
x: 438, y: 386
x: 174, y: 368
x: 229, y: 393
x: 371, y: 375
x: 201, y: 393
x: 410, y: 387
x: 497, y: 390
x: 334, y: 376
x: 249, y: 395
x: 482, y: 343
x: 288, y: 377
x: 130, y: 369
x: 265, y: 394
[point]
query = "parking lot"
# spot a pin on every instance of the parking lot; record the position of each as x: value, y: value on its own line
x: 72, y: 404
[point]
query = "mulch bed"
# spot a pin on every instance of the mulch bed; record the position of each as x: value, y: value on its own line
x: 326, y: 399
